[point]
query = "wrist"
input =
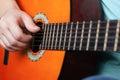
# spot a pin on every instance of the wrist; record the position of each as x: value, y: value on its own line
x: 6, y: 6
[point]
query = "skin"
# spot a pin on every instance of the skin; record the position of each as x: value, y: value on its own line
x: 12, y: 22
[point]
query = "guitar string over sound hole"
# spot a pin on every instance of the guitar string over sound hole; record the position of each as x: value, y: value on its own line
x: 34, y: 52
x: 37, y: 38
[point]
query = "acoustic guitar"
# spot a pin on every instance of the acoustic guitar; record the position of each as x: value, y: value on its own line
x: 20, y: 67
x: 43, y: 60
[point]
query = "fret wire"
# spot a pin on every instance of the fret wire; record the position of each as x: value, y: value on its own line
x: 49, y: 38
x: 93, y: 27
x: 40, y: 46
x: 46, y: 36
x: 56, y: 36
x: 81, y: 40
x: 70, y: 35
x: 106, y: 35
x: 89, y: 34
x: 97, y: 35
x: 88, y: 28
x: 72, y: 32
x: 53, y: 36
x: 61, y: 35
x: 43, y: 41
x: 116, y: 36
x: 65, y: 36
x: 85, y: 22
x: 76, y: 31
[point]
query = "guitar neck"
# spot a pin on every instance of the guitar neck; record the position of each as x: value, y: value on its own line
x: 88, y: 36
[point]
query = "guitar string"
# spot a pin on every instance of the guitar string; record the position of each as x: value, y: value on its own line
x: 85, y: 37
x: 76, y: 48
x: 111, y: 38
x: 80, y: 23
x: 94, y: 28
x: 92, y: 32
x: 85, y: 32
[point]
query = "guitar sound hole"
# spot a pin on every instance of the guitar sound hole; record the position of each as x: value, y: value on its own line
x: 39, y: 24
x: 37, y: 38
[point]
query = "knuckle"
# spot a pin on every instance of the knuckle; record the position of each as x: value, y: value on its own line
x: 8, y: 46
x: 12, y: 43
x: 18, y: 37
x: 4, y: 25
x: 23, y: 47
x: 29, y: 38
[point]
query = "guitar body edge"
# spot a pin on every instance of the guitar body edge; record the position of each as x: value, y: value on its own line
x: 20, y: 67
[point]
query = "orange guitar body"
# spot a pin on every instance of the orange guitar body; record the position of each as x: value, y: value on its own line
x: 48, y: 67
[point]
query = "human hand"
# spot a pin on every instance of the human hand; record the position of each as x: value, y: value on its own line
x: 12, y: 36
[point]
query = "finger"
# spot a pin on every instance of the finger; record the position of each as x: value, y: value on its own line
x: 18, y: 34
x: 29, y: 24
x: 5, y: 44
x: 2, y: 44
x: 8, y: 41
x: 13, y: 42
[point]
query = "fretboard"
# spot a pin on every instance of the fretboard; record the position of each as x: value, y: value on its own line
x: 88, y: 36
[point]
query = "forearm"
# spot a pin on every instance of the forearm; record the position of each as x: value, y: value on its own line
x: 6, y: 5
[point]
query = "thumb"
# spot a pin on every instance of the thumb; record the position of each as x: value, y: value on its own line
x: 29, y: 24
